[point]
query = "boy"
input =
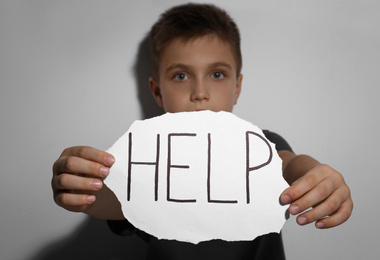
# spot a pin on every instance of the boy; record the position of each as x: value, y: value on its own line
x: 196, y: 66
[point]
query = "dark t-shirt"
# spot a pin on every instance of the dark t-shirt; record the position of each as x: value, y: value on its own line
x: 268, y: 246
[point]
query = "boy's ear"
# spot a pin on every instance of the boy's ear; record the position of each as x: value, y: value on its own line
x: 238, y: 87
x: 156, y: 91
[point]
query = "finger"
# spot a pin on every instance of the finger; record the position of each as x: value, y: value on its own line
x: 74, y: 202
x: 342, y: 214
x: 73, y: 182
x: 327, y: 208
x: 77, y: 165
x: 315, y: 196
x: 90, y: 153
x: 300, y: 187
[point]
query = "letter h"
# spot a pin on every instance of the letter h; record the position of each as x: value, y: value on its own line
x: 130, y: 162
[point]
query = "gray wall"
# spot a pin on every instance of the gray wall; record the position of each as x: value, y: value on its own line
x: 71, y: 74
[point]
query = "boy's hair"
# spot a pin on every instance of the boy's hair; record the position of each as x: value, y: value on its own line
x: 191, y: 21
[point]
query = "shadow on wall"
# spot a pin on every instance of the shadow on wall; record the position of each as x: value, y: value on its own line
x: 93, y: 239
x: 143, y: 70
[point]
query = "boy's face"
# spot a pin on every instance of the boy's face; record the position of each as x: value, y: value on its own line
x: 197, y: 75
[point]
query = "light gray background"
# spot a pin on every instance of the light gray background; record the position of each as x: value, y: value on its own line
x: 70, y: 74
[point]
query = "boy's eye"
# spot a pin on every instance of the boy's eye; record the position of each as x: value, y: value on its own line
x: 180, y: 77
x: 217, y: 75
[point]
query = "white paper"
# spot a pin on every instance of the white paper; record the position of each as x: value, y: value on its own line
x: 198, y: 176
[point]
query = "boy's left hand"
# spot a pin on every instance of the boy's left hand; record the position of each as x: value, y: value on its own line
x: 324, y: 190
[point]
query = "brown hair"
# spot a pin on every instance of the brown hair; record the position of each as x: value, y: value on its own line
x: 190, y: 21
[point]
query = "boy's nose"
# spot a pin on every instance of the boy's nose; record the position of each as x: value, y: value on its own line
x: 200, y: 91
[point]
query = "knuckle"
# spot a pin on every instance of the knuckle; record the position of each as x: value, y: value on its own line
x: 69, y: 163
x: 69, y: 151
x: 311, y: 180
x: 66, y: 151
x: 63, y: 181
x: 323, y: 191
x: 332, y: 205
x: 83, y: 151
x: 344, y: 215
x: 324, y: 168
x: 346, y: 191
x: 59, y: 166
x: 351, y: 205
x: 292, y: 192
x: 62, y: 199
x: 339, y: 178
x: 347, y: 209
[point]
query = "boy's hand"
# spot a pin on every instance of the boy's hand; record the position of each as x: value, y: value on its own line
x: 78, y: 175
x: 325, y: 190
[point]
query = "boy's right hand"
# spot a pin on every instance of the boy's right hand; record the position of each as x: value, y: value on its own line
x: 78, y: 176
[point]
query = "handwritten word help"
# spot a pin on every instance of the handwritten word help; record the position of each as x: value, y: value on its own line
x: 184, y: 176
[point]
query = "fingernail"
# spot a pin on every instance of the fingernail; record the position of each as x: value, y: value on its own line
x: 104, y: 171
x: 97, y: 185
x: 302, y: 220
x: 109, y: 160
x: 91, y: 198
x: 286, y: 199
x: 294, y: 209
x: 320, y: 225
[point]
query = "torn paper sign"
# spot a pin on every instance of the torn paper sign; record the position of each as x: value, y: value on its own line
x: 197, y: 176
